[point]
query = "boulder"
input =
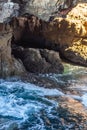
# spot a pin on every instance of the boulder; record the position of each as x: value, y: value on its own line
x: 39, y: 60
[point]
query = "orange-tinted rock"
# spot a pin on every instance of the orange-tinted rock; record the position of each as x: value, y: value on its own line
x: 72, y: 113
x: 66, y: 35
x: 71, y: 34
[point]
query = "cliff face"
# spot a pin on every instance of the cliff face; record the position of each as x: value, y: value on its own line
x: 72, y: 35
x: 28, y: 34
x: 34, y: 60
x: 8, y: 64
x: 67, y: 36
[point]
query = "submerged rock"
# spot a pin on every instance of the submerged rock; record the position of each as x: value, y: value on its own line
x: 72, y: 113
x: 13, y: 126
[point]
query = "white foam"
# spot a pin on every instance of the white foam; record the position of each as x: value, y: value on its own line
x: 13, y: 104
x: 31, y: 87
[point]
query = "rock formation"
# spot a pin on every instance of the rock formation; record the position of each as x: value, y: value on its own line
x: 39, y: 60
x: 28, y: 32
x: 64, y: 35
x: 8, y: 64
x: 31, y: 35
x: 27, y: 42
x: 73, y: 41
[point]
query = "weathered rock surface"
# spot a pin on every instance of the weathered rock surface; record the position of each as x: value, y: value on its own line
x: 66, y: 35
x: 39, y: 60
x: 44, y: 9
x: 8, y: 64
x: 32, y: 32
x: 28, y: 34
x: 73, y: 41
x: 8, y: 10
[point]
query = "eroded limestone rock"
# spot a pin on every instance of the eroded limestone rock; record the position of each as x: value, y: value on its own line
x: 73, y: 41
x: 66, y: 35
x: 8, y: 64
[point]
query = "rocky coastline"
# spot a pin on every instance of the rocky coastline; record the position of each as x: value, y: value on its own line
x: 31, y: 43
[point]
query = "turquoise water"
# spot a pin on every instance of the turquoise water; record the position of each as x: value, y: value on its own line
x: 25, y: 106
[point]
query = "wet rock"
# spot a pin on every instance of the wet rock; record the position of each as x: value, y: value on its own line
x: 29, y: 34
x: 72, y: 113
x: 39, y: 60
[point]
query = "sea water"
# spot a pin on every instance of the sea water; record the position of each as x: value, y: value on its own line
x: 26, y: 106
